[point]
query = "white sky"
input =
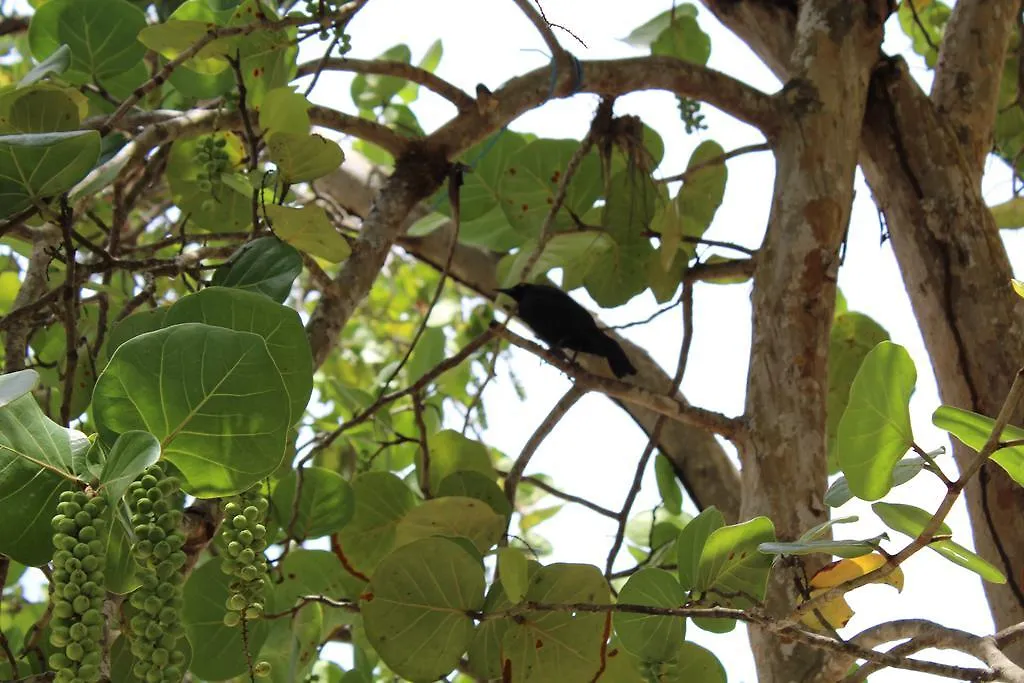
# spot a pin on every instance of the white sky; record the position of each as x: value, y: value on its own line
x: 594, y: 449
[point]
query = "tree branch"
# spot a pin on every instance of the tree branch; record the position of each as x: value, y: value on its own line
x: 382, y: 67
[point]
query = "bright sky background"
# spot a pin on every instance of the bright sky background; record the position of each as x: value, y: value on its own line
x: 594, y: 449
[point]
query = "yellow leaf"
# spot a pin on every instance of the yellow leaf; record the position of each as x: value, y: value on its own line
x: 838, y: 612
x: 310, y: 230
x: 1018, y: 287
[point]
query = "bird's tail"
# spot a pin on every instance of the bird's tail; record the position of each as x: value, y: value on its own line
x: 617, y: 358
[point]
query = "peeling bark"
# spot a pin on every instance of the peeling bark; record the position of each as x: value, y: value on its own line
x: 784, y: 463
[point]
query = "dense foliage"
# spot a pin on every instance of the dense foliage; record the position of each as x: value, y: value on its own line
x: 174, y: 434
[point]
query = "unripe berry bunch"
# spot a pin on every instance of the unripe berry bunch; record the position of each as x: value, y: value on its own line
x: 78, y: 592
x: 155, y: 630
x: 243, y: 537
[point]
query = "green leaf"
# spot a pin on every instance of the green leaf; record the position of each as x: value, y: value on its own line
x: 683, y: 39
x: 691, y: 542
x: 133, y: 326
x: 701, y: 195
x: 212, y: 396
x: 428, y: 353
x: 14, y: 385
x: 266, y: 265
x: 41, y: 165
x: 430, y: 60
x: 175, y: 36
x: 906, y: 469
x: 451, y: 452
x: 56, y: 64
x: 302, y: 158
x: 451, y: 516
x: 1009, y: 214
x: 218, y: 652
x: 853, y: 335
x: 382, y: 499
x: 620, y: 273
x: 417, y: 621
x: 279, y: 326
x: 668, y: 487
x: 926, y: 31
x: 911, y: 521
x: 691, y: 664
x: 475, y: 485
x: 42, y: 108
x: 531, y: 178
x: 226, y: 210
x: 480, y: 191
x: 284, y: 111
x: 828, y: 547
x: 130, y: 455
x: 308, y: 228
x: 120, y: 570
x: 731, y: 567
x: 875, y: 432
x: 35, y: 467
x: 267, y: 56
x: 370, y: 91
x: 326, y: 503
x: 577, y: 250
x: 491, y: 231
x: 973, y: 430
x: 513, y: 568
x: 558, y: 645
x: 644, y: 35
x: 100, y: 34
x: 650, y: 637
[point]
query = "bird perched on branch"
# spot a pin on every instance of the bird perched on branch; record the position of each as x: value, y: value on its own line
x: 562, y: 323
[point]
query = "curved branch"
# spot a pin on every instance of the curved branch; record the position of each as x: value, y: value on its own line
x: 382, y: 67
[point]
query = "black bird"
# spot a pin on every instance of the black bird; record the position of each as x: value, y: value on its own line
x: 562, y: 323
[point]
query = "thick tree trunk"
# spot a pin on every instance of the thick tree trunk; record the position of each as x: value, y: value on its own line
x: 784, y: 463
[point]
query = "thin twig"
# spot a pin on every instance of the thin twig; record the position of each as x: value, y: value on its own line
x: 716, y: 161
x: 409, y: 72
x: 543, y: 27
x: 548, y: 488
x: 515, y: 473
x: 417, y: 408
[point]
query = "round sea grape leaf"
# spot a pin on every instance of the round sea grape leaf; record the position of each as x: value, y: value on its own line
x: 302, y: 158
x: 571, y: 250
x: 484, y: 651
x: 382, y: 499
x: 451, y: 452
x: 454, y: 516
x: 683, y: 39
x: 374, y: 90
x: 731, y: 563
x: 284, y: 111
x: 558, y: 645
x: 326, y: 503
x: 266, y: 265
x: 644, y: 35
x: 620, y: 272
x: 218, y: 652
x: 133, y: 326
x: 101, y: 35
x: 227, y: 209
x: 416, y: 620
x: 852, y: 337
x: 491, y: 231
x: 691, y: 664
x: 42, y: 108
x: 41, y: 165
x: 212, y: 396
x: 475, y: 485
x: 531, y: 178
x: 839, y: 492
x: 874, y: 431
x: 650, y: 637
x: 480, y: 192
x: 513, y: 568
x: 35, y: 467
x: 292, y: 644
x: 279, y: 326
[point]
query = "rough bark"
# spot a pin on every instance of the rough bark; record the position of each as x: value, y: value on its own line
x: 699, y: 460
x: 784, y: 461
x: 924, y: 169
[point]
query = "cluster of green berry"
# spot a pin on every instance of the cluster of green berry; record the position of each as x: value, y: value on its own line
x: 76, y: 627
x: 156, y: 500
x: 689, y: 112
x: 211, y: 154
x: 243, y: 537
